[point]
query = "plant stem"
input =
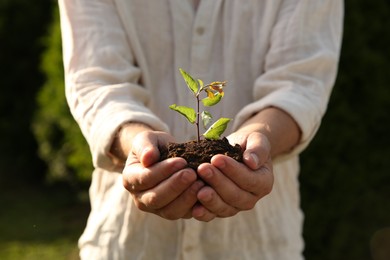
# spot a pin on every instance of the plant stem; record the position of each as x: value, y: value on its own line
x: 197, y: 117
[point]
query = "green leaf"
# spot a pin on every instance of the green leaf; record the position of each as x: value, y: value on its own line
x: 216, y: 130
x: 206, y: 118
x: 201, y: 85
x: 212, y: 100
x: 191, y: 83
x: 188, y: 112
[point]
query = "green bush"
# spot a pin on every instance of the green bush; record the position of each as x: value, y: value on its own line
x: 61, y: 144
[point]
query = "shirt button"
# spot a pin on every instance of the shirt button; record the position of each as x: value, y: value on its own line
x: 188, y: 248
x: 200, y: 30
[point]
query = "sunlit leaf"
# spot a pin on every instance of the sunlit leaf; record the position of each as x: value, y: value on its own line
x: 201, y: 85
x: 216, y: 130
x: 188, y: 112
x: 217, y: 85
x: 206, y: 118
x: 212, y: 100
x: 191, y: 83
x: 210, y: 94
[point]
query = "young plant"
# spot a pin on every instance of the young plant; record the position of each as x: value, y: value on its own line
x: 214, y: 93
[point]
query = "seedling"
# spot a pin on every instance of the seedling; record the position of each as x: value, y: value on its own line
x: 214, y: 94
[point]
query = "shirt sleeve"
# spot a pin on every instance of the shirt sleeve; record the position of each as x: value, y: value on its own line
x: 103, y: 87
x: 301, y: 65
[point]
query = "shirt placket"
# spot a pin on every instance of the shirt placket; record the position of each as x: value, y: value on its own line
x: 201, y: 44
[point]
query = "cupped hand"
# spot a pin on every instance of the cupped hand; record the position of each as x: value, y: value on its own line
x: 233, y: 186
x: 167, y: 188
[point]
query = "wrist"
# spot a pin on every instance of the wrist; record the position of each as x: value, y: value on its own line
x: 278, y: 126
x: 121, y: 144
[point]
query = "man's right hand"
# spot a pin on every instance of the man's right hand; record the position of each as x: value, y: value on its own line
x: 167, y: 188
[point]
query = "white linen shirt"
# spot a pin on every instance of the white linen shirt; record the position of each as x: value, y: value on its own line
x: 122, y: 60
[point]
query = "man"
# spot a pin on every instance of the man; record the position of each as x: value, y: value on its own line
x: 121, y: 62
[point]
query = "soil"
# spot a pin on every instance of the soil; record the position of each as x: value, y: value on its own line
x: 196, y: 153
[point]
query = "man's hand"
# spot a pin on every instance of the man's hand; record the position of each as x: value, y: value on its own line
x: 234, y: 186
x: 172, y: 190
x: 167, y: 188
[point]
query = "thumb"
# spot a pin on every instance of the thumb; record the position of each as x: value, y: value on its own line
x: 146, y: 146
x: 257, y: 151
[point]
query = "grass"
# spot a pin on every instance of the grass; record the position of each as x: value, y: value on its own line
x: 41, y: 222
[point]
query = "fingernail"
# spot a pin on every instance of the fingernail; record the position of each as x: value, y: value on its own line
x: 254, y: 158
x: 145, y: 151
x: 179, y: 165
x: 220, y: 164
x: 187, y: 177
x: 208, y: 174
x: 197, y: 186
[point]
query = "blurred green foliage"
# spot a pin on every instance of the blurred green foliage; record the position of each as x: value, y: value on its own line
x: 344, y: 179
x: 61, y: 144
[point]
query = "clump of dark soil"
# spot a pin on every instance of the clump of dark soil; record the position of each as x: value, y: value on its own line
x: 196, y: 153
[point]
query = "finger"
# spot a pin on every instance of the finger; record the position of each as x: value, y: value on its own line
x: 226, y: 188
x: 181, y: 207
x: 213, y: 203
x: 257, y: 150
x: 199, y: 212
x: 138, y: 178
x: 166, y: 191
x: 256, y: 184
x: 146, y: 145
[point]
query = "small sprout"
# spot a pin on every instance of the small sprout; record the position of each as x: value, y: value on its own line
x: 214, y: 94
